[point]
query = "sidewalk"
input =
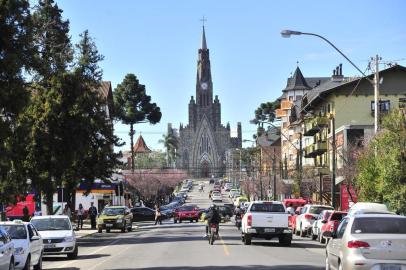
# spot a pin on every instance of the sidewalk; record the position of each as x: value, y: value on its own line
x: 87, y: 231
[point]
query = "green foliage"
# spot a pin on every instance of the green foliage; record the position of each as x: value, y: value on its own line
x: 170, y: 142
x: 132, y: 105
x: 382, y: 172
x: 153, y: 160
x: 265, y: 113
x: 15, y: 58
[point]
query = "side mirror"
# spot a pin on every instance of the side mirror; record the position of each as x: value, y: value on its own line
x: 35, y: 238
x: 324, y: 221
x: 328, y: 234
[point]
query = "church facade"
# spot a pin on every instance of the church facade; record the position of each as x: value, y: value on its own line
x: 204, y: 141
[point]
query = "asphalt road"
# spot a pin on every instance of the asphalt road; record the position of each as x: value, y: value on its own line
x: 181, y: 246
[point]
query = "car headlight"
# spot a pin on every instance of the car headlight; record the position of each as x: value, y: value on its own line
x: 119, y: 220
x: 69, y: 239
x: 19, y: 251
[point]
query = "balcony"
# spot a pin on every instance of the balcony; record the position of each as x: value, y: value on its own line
x: 314, y: 125
x: 281, y: 113
x: 315, y: 149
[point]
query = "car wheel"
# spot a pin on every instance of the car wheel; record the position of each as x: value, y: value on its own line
x: 340, y: 266
x: 180, y: 221
x: 247, y: 239
x: 314, y: 236
x: 107, y: 230
x: 74, y: 254
x: 130, y: 228
x: 38, y: 266
x: 327, y: 263
x: 227, y: 217
x: 100, y: 230
x: 285, y: 240
x: 27, y: 265
x: 175, y: 221
x: 123, y: 229
x: 322, y: 240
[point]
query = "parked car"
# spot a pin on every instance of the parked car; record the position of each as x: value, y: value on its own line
x: 186, y: 212
x: 6, y: 250
x: 368, y: 241
x: 216, y: 197
x: 320, y: 220
x: 308, y: 215
x: 57, y: 234
x: 293, y: 218
x: 225, y: 212
x: 28, y: 245
x: 331, y: 224
x: 367, y: 207
x: 146, y: 214
x: 115, y: 217
x: 233, y: 192
x: 266, y: 219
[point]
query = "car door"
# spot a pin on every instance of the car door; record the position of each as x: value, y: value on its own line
x: 35, y: 246
x: 149, y: 214
x: 335, y: 244
x: 6, y: 250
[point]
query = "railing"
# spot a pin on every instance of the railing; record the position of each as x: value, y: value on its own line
x: 314, y: 125
x: 315, y: 149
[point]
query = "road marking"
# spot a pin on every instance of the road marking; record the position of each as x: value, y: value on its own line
x: 226, y: 252
x: 109, y: 258
x: 92, y: 253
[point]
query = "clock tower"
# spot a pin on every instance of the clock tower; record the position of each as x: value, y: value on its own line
x: 204, y: 142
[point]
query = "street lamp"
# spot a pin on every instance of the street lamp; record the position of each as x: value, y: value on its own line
x: 375, y: 82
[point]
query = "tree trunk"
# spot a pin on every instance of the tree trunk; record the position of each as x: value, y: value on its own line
x: 132, y: 146
x: 49, y: 201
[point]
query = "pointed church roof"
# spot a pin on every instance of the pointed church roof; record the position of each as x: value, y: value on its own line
x: 297, y: 82
x: 140, y: 146
x: 204, y: 44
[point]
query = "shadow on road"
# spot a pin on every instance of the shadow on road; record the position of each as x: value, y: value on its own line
x: 294, y: 244
x: 80, y: 257
x: 256, y: 267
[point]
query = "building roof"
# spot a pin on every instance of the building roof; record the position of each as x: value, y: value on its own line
x: 331, y: 85
x: 140, y: 146
x: 204, y: 44
x: 299, y: 82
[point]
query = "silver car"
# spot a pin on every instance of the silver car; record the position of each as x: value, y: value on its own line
x: 368, y: 241
x: 6, y: 251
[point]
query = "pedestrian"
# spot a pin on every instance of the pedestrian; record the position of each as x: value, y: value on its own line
x: 158, y: 217
x: 26, y: 214
x: 67, y: 211
x: 81, y: 211
x: 93, y: 214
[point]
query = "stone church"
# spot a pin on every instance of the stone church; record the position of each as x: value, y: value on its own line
x: 204, y: 142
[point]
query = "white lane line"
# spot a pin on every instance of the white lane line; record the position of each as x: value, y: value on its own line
x: 92, y: 253
x: 109, y: 258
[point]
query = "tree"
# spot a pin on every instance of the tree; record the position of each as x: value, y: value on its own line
x: 170, y: 142
x: 16, y: 57
x: 382, y: 166
x: 132, y: 105
x: 265, y: 113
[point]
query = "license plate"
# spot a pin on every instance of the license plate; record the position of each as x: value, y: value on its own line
x: 391, y: 267
x: 109, y: 225
x: 49, y: 245
x: 269, y: 229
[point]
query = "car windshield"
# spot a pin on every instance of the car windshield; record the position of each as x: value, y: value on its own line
x: 113, y: 211
x: 267, y: 207
x: 16, y: 231
x: 317, y: 209
x: 51, y: 224
x: 379, y: 225
x: 187, y: 208
x: 337, y: 216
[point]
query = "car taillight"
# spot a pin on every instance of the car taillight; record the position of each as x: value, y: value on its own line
x: 357, y: 244
x: 308, y: 216
x: 249, y: 220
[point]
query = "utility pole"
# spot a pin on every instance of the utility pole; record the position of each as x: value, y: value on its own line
x: 333, y: 178
x: 260, y: 170
x: 274, y: 174
x: 300, y: 164
x: 376, y: 93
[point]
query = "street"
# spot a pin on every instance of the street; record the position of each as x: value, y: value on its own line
x: 182, y: 246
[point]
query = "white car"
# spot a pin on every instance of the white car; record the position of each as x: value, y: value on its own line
x: 216, y: 197
x: 28, y: 246
x: 58, y: 235
x: 307, y: 217
x: 6, y: 251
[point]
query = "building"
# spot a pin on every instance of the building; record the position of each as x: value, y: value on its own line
x: 204, y: 141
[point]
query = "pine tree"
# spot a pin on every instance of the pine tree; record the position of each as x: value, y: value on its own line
x: 16, y: 54
x: 132, y: 105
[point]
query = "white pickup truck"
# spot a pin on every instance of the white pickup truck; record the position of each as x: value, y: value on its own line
x: 266, y: 219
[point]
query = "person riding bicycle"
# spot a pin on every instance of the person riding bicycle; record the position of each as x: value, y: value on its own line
x: 212, y: 217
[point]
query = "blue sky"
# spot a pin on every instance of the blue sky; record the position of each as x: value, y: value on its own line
x: 157, y: 40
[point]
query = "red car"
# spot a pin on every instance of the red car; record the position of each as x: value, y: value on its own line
x: 186, y: 212
x: 292, y: 219
x: 331, y: 224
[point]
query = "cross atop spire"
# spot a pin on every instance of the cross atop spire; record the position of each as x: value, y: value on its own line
x: 204, y: 44
x: 203, y: 20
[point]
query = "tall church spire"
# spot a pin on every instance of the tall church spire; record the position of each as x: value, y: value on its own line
x: 204, y: 44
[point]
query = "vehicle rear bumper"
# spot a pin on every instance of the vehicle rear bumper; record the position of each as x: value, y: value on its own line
x: 265, y: 232
x: 362, y: 263
x: 110, y: 226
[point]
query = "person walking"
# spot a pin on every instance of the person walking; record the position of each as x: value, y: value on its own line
x: 81, y: 212
x: 93, y: 214
x: 158, y: 215
x: 67, y: 211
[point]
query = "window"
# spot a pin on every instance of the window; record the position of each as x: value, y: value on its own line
x: 341, y: 228
x: 16, y: 231
x: 267, y: 207
x: 298, y: 97
x: 318, y: 209
x: 379, y: 225
x: 290, y: 98
x: 384, y: 106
